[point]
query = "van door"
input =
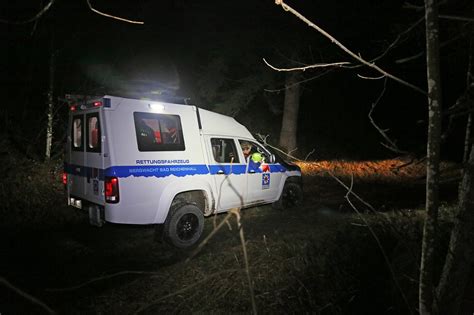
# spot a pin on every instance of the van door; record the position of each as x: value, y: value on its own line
x: 76, y: 168
x: 228, y: 172
x: 263, y: 177
x: 94, y: 175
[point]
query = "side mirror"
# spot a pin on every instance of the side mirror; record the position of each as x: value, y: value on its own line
x: 272, y: 159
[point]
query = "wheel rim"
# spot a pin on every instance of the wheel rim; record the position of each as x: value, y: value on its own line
x: 187, y: 226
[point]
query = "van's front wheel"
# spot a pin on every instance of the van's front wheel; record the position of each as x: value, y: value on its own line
x: 184, y: 226
x: 291, y: 196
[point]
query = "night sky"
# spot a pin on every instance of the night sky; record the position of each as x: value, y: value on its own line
x: 207, y: 50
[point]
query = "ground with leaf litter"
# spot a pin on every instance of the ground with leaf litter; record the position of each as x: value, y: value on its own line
x: 321, y: 258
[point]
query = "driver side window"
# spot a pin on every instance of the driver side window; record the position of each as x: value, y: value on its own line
x: 249, y: 148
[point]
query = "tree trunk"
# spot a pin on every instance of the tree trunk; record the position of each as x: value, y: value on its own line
x: 469, y: 87
x: 426, y: 285
x: 460, y: 254
x: 467, y: 137
x: 289, y: 123
x: 50, y: 100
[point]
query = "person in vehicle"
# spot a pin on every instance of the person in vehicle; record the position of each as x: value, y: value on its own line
x: 246, y: 149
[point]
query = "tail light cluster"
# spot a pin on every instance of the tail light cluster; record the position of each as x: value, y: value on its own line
x: 112, y: 190
x: 64, y: 178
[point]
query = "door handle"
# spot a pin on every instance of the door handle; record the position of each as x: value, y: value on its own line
x: 220, y: 172
x: 251, y: 171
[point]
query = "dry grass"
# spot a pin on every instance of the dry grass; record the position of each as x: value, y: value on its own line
x: 384, y: 170
x: 317, y: 259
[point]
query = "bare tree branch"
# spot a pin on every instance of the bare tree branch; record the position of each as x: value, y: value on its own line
x: 391, y: 145
x: 318, y: 65
x: 27, y: 296
x: 379, y: 243
x: 299, y: 82
x: 349, y: 193
x: 456, y: 18
x: 236, y: 212
x: 370, y: 78
x: 34, y: 18
x: 397, y: 39
x: 309, y: 154
x: 112, y: 16
x: 422, y: 53
x: 345, y: 49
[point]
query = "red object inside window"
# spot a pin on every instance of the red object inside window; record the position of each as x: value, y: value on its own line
x: 157, y: 137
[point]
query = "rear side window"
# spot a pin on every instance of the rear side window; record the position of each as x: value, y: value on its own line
x: 158, y: 132
x: 93, y: 133
x: 76, y: 133
x: 224, y: 150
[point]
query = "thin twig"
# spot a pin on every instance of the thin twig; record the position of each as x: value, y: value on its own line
x: 326, y: 71
x: 204, y: 242
x: 314, y: 66
x: 391, y: 145
x: 106, y: 277
x: 456, y: 18
x: 379, y: 243
x: 372, y: 65
x: 112, y: 16
x: 368, y: 205
x: 27, y: 296
x: 195, y: 284
x: 34, y: 18
x: 399, y: 36
x: 422, y: 53
x: 370, y: 78
x: 236, y: 212
x: 308, y: 155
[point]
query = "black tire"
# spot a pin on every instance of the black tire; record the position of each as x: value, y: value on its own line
x: 184, y: 225
x: 291, y: 196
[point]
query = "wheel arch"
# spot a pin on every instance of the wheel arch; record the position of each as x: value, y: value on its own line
x: 198, y: 192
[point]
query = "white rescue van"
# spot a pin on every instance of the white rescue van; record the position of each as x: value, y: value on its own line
x: 135, y: 161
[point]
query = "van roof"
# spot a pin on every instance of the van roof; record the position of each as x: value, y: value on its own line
x: 218, y: 124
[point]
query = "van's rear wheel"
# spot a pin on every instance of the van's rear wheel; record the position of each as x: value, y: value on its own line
x: 291, y: 196
x: 184, y: 225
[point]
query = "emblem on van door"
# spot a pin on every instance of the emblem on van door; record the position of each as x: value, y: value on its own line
x: 265, y: 180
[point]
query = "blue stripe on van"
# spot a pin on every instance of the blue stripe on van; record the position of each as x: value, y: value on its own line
x: 157, y: 170
x: 228, y: 169
x: 277, y: 168
x: 164, y: 170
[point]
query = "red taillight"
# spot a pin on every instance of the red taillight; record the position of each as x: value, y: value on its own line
x: 97, y: 104
x: 73, y: 108
x: 111, y: 190
x: 65, y: 178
